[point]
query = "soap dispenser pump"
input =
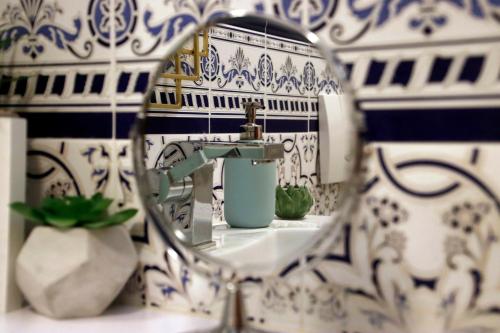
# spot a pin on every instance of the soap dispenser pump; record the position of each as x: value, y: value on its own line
x: 251, y: 131
x: 249, y: 185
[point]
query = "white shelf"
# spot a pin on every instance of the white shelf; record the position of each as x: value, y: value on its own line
x: 122, y: 319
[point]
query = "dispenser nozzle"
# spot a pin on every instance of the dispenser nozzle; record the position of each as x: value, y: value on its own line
x: 251, y: 131
x: 251, y: 111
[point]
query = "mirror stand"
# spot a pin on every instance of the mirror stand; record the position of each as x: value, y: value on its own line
x: 176, y: 183
x: 233, y: 317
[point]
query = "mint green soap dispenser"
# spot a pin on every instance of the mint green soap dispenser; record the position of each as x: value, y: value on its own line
x: 249, y: 185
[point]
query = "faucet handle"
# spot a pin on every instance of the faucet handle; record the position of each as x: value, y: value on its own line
x: 251, y: 111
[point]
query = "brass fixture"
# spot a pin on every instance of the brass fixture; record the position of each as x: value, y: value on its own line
x: 178, y: 76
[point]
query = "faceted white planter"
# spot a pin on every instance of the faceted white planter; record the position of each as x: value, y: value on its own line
x: 76, y: 272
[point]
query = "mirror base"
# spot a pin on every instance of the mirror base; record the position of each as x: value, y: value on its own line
x: 233, y: 317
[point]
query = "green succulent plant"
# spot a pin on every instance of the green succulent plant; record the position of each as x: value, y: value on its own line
x: 74, y: 211
x: 294, y: 202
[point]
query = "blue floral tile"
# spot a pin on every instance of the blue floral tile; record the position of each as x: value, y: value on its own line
x: 146, y: 30
x: 288, y: 73
x: 239, y: 52
x: 62, y: 31
x: 163, y: 282
x: 289, y: 10
x: 356, y: 23
x: 287, y: 96
x: 418, y: 274
x: 55, y: 56
x: 274, y: 303
x: 150, y: 25
x: 69, y: 167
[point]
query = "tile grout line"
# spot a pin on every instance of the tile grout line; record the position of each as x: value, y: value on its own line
x: 266, y: 66
x: 303, y: 262
x: 309, y: 97
x: 210, y: 97
x: 305, y: 18
x: 112, y: 40
x: 114, y: 147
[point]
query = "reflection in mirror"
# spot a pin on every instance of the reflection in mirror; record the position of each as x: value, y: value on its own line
x: 235, y: 122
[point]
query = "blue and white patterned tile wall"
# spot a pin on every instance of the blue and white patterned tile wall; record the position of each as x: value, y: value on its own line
x: 418, y: 256
x: 427, y: 75
x: 284, y: 74
x: 243, y: 65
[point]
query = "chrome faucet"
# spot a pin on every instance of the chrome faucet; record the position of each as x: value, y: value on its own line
x: 182, y: 185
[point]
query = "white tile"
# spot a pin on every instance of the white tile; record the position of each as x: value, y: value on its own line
x: 60, y: 167
x: 274, y: 303
x: 288, y: 71
x: 66, y: 66
x: 75, y: 40
x: 239, y: 55
x: 408, y: 24
x: 396, y: 275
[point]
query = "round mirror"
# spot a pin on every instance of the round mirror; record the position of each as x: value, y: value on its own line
x: 247, y: 148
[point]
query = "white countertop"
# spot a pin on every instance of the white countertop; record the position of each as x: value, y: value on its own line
x: 281, y: 240
x: 122, y: 319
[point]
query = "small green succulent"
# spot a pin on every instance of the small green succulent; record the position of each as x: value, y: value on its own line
x: 294, y: 202
x: 74, y: 211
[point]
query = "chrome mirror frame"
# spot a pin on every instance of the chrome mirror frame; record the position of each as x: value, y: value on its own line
x: 319, y: 245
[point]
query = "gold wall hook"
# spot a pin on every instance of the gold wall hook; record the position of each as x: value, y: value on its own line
x: 178, y: 76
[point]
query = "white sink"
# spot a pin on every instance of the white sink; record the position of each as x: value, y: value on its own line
x: 264, y: 247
